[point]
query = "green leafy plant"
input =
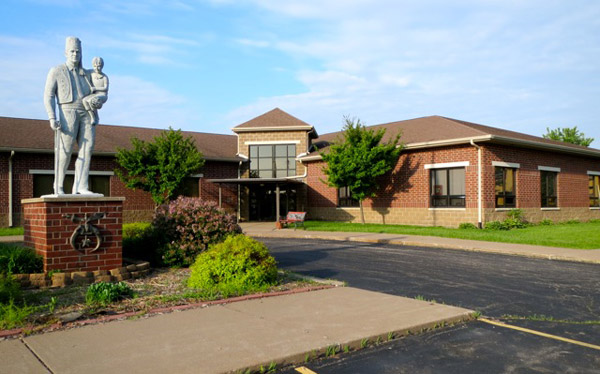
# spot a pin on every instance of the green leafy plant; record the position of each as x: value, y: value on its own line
x: 10, y: 290
x: 160, y: 166
x: 568, y: 135
x: 236, y: 266
x: 573, y: 222
x: 364, y: 343
x: 13, y: 315
x: 359, y: 158
x: 103, y: 293
x: 467, y: 226
x: 390, y: 336
x: 15, y: 259
x: 346, y: 349
x: 332, y: 350
x: 141, y: 241
x: 187, y: 226
x: 545, y: 222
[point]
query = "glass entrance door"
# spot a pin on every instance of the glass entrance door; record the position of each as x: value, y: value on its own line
x: 263, y: 204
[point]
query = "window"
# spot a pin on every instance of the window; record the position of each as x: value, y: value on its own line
x: 43, y: 184
x: 594, y: 188
x: 448, y: 187
x: 190, y: 187
x: 548, y: 184
x: 505, y: 187
x: 345, y: 199
x: 272, y: 161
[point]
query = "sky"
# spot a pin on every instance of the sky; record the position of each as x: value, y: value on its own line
x: 209, y: 65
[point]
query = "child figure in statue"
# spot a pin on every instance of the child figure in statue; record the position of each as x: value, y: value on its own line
x: 99, y: 86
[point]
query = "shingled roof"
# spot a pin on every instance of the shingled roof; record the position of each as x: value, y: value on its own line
x: 434, y: 131
x: 30, y: 135
x: 275, y: 120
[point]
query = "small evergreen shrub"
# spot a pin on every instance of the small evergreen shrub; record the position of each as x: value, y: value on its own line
x: 467, y: 226
x: 546, y: 222
x: 103, y: 293
x: 141, y: 242
x: 15, y: 259
x: 9, y: 289
x: 187, y: 226
x: 236, y: 266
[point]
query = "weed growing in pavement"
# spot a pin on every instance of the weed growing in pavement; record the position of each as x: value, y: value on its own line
x: 346, y: 349
x: 378, y: 340
x: 476, y: 314
x: 364, y: 343
x: 543, y: 318
x: 332, y: 350
x: 390, y: 336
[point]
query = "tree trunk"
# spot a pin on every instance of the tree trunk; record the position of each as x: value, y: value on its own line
x: 362, y: 212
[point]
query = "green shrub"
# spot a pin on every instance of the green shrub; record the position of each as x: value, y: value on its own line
x: 103, y: 293
x: 573, y: 222
x: 496, y: 225
x: 467, y: 226
x: 236, y: 266
x: 187, y: 226
x: 594, y: 221
x: 9, y: 288
x: 545, y: 222
x: 15, y: 259
x: 141, y: 242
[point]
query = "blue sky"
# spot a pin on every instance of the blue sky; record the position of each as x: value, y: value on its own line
x: 211, y: 65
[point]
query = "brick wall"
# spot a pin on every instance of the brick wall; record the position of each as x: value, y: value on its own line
x: 138, y: 205
x: 49, y: 232
x: 404, y: 194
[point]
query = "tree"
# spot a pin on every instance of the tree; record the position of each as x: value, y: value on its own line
x: 159, y: 167
x: 568, y: 135
x: 357, y: 160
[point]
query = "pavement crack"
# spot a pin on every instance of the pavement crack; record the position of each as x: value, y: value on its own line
x: 36, y: 356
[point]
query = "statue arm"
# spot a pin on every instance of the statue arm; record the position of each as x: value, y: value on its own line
x: 50, y: 98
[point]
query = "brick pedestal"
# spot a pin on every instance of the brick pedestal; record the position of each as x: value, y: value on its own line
x: 49, y: 232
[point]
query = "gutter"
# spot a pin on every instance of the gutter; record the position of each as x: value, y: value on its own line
x: 10, y: 189
x: 479, y: 192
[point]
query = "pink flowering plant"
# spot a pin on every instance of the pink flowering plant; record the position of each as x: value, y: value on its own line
x: 187, y: 226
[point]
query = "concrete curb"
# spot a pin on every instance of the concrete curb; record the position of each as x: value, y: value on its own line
x: 457, y: 247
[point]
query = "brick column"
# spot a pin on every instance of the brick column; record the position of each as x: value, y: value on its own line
x: 49, y: 232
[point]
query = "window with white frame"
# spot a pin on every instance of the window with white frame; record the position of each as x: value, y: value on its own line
x: 594, y: 189
x: 447, y: 187
x: 549, y: 190
x: 272, y: 160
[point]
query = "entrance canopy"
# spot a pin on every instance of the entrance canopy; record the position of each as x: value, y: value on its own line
x: 267, y: 198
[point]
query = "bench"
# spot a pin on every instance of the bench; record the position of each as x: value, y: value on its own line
x: 295, y: 218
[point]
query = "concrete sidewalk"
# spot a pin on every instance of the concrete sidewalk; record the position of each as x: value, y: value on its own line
x: 226, y: 338
x: 268, y: 230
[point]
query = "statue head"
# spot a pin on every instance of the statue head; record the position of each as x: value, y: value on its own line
x: 97, y: 64
x: 73, y: 50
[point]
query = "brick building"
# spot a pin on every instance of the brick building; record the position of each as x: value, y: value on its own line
x: 449, y: 172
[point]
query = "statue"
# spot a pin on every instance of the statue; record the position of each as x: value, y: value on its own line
x: 79, y: 93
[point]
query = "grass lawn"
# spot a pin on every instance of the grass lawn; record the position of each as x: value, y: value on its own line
x: 10, y: 231
x: 573, y: 235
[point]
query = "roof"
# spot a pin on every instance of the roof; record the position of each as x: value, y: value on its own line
x: 30, y: 135
x: 435, y: 131
x: 275, y: 120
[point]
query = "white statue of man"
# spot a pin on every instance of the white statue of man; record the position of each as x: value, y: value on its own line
x: 67, y: 85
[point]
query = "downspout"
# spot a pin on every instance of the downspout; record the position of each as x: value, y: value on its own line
x: 239, y: 194
x: 10, y: 189
x: 479, y: 192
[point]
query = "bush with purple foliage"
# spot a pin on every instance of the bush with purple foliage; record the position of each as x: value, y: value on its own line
x: 188, y: 226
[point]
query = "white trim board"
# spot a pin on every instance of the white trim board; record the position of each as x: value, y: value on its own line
x: 266, y: 142
x: 503, y: 164
x: 446, y: 165
x: 591, y: 172
x: 549, y: 168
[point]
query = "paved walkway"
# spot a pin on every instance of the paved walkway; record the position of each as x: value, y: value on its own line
x: 225, y: 338
x: 268, y: 230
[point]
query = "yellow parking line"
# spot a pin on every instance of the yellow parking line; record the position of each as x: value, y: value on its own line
x: 555, y: 337
x: 304, y: 370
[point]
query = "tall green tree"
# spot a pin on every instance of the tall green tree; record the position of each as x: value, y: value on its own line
x: 568, y: 135
x: 160, y: 166
x: 359, y: 158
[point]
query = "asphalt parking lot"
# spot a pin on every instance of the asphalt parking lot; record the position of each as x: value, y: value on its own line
x: 559, y: 298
